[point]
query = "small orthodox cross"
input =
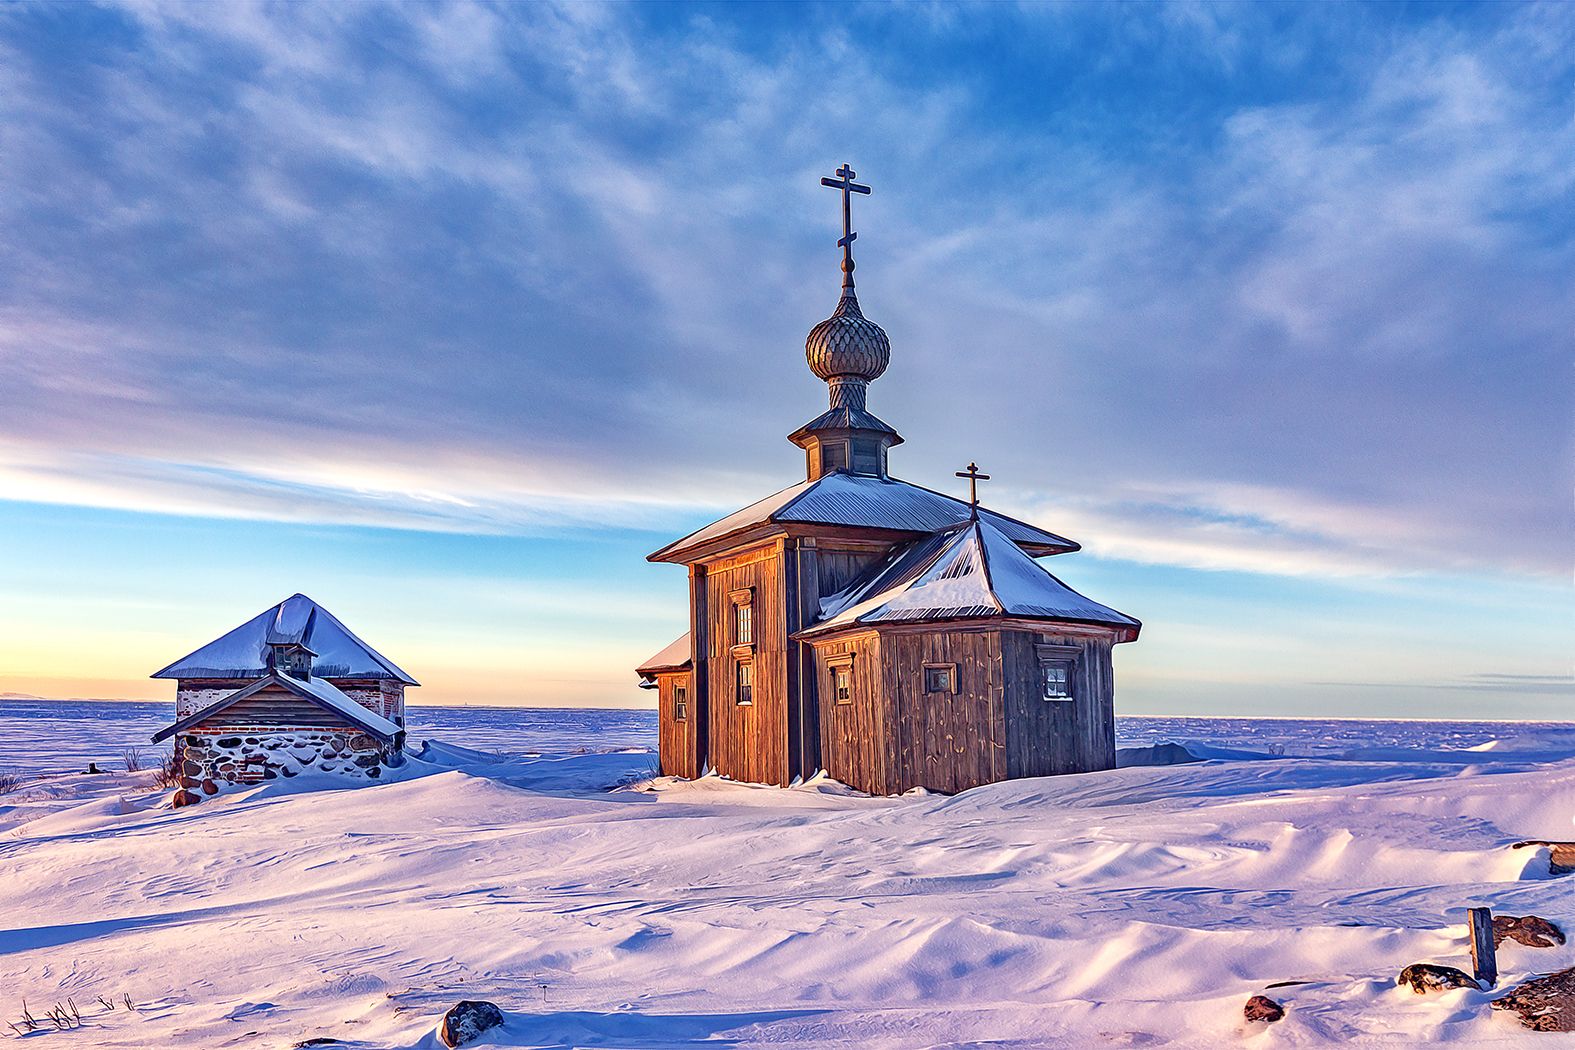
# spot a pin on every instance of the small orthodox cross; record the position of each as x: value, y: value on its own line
x: 844, y: 182
x: 974, y: 477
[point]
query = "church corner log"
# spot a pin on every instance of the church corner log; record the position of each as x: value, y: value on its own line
x: 890, y: 635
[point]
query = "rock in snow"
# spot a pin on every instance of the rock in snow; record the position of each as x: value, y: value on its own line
x: 1428, y: 977
x: 1531, y: 930
x: 1262, y: 1008
x: 1545, y: 1004
x: 467, y: 1020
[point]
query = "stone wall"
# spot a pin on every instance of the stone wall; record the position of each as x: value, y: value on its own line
x: 214, y: 757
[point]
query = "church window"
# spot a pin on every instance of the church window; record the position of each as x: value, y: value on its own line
x: 1058, y: 680
x: 834, y: 456
x: 940, y: 678
x: 1056, y: 663
x: 680, y: 703
x: 866, y: 457
x: 841, y: 678
x: 744, y: 679
x: 743, y: 601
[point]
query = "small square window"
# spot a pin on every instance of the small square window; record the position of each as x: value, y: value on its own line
x: 680, y: 703
x: 1057, y: 679
x: 940, y: 678
x: 744, y: 677
x: 842, y: 684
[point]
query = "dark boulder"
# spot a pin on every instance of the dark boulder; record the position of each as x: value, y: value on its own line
x: 210, y: 787
x: 1262, y: 1008
x: 467, y: 1021
x: 1531, y: 930
x: 1545, y: 1004
x: 184, y: 798
x: 1427, y: 977
x: 227, y: 741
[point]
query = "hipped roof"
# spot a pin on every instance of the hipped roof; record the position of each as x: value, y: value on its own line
x: 840, y: 498
x: 316, y: 690
x: 968, y: 572
x: 243, y: 652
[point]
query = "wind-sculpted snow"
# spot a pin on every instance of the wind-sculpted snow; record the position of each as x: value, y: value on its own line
x: 1136, y: 907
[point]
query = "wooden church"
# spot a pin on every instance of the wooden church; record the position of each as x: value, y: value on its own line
x: 291, y: 690
x: 890, y: 635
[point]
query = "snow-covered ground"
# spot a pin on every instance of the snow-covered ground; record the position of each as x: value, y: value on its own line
x: 1138, y: 907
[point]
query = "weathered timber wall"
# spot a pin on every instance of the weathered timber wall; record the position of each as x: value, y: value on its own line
x: 854, y: 737
x: 747, y: 742
x: 1048, y: 737
x: 677, y: 740
x: 945, y: 741
x: 383, y: 696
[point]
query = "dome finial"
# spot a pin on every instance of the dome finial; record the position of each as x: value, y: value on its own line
x: 844, y: 182
x: 847, y: 350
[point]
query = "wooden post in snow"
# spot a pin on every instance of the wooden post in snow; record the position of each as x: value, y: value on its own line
x: 1484, y: 961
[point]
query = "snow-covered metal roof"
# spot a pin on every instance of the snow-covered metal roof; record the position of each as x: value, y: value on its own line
x: 966, y: 572
x: 675, y: 656
x: 319, y: 691
x: 841, y: 498
x: 243, y: 652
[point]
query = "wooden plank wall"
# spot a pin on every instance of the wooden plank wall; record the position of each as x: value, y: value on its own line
x: 945, y: 741
x: 747, y: 742
x: 677, y: 741
x: 854, y: 736
x: 1046, y: 738
x: 275, y: 707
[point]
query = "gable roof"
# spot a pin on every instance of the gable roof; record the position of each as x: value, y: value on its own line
x: 316, y: 690
x: 840, y: 498
x: 965, y: 572
x: 243, y: 652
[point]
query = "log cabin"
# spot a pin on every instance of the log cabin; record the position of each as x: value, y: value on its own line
x: 291, y: 690
x: 887, y: 634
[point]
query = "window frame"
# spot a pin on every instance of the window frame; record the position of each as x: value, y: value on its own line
x: 744, y: 692
x: 952, y: 671
x: 740, y: 600
x: 838, y: 665
x: 1051, y: 655
x: 680, y: 701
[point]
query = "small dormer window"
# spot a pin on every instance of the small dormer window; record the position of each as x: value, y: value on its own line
x: 293, y: 659
x: 833, y: 456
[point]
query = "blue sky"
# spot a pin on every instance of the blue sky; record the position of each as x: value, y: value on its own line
x: 448, y: 314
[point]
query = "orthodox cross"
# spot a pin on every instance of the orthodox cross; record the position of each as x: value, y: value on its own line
x: 974, y: 477
x: 844, y: 182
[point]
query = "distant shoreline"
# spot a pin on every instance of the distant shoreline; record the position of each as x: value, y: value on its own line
x: 19, y: 698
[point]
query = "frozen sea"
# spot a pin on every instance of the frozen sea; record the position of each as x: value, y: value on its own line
x: 56, y: 736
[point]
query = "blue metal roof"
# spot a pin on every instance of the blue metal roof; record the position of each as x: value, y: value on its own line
x: 862, y: 500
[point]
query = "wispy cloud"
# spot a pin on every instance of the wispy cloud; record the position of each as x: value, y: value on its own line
x: 465, y: 267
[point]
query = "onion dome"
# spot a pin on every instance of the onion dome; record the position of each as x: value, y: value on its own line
x: 847, y: 344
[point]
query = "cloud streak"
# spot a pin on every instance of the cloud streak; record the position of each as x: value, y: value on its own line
x: 466, y: 267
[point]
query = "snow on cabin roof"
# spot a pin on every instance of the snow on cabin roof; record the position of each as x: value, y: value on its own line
x: 961, y: 573
x: 319, y: 691
x: 841, y: 498
x: 243, y: 652
x: 674, y: 657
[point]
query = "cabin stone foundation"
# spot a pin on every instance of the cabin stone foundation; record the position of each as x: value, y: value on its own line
x: 252, y: 757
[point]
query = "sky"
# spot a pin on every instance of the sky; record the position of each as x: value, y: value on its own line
x: 447, y: 315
